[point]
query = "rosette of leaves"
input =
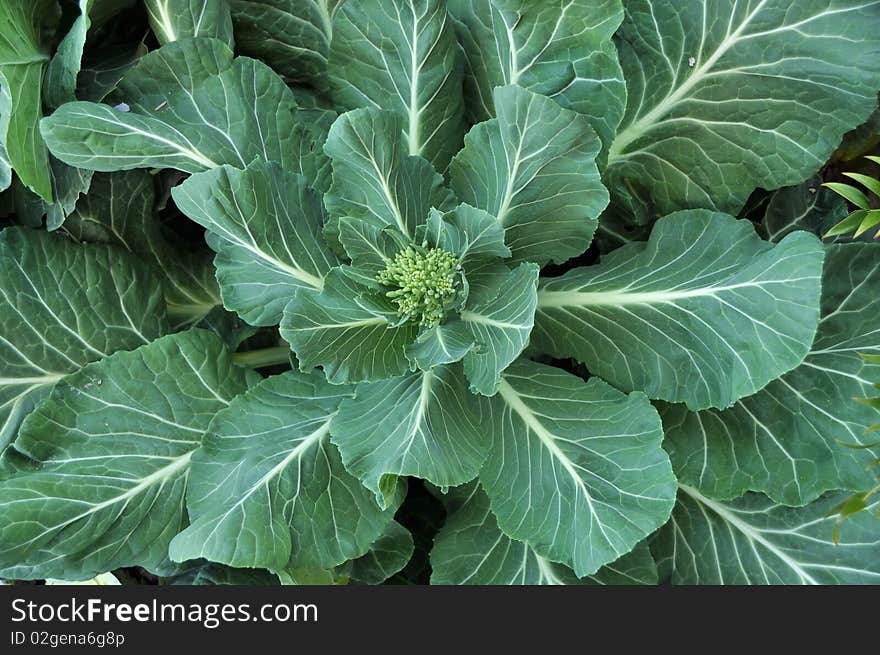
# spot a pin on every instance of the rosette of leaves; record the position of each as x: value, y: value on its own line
x: 392, y: 221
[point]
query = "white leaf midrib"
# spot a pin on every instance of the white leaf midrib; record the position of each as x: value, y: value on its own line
x: 621, y: 297
x: 160, y: 476
x: 638, y: 127
x: 749, y: 532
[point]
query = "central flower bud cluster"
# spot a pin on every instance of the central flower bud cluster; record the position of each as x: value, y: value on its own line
x: 426, y: 283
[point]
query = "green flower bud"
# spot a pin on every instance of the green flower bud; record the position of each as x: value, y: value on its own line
x: 425, y: 281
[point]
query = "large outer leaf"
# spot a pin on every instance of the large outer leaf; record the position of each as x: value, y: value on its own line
x: 63, y: 306
x: 402, y: 56
x: 208, y: 573
x: 729, y: 95
x: 22, y: 60
x: 785, y: 440
x: 173, y: 20
x: 120, y: 208
x: 558, y: 48
x: 534, y: 168
x: 110, y: 452
x: 703, y: 313
x: 354, y: 333
x: 265, y: 225
x: 292, y: 36
x: 576, y: 469
x: 424, y: 424
x: 268, y: 489
x: 753, y: 540
x: 192, y: 107
x: 471, y: 549
x: 373, y: 177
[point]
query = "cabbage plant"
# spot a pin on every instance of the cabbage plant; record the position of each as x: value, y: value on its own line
x: 550, y: 267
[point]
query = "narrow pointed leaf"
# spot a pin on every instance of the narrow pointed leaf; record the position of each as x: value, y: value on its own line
x: 870, y: 183
x: 868, y: 221
x: 847, y: 225
x: 851, y: 193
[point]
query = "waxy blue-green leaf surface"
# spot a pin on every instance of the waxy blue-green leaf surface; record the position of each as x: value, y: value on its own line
x: 470, y: 549
x: 753, y: 540
x: 23, y: 59
x: 352, y: 332
x: 292, y: 36
x: 561, y: 49
x: 374, y: 177
x: 120, y: 209
x: 175, y: 20
x: 576, y: 469
x: 191, y: 107
x: 387, y: 555
x: 500, y: 323
x: 65, y: 305
x: 533, y: 168
x: 424, y: 424
x: 109, y: 455
x: 799, y: 436
x: 401, y: 56
x: 265, y: 226
x: 59, y: 83
x: 267, y: 489
x: 728, y: 95
x: 704, y: 313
